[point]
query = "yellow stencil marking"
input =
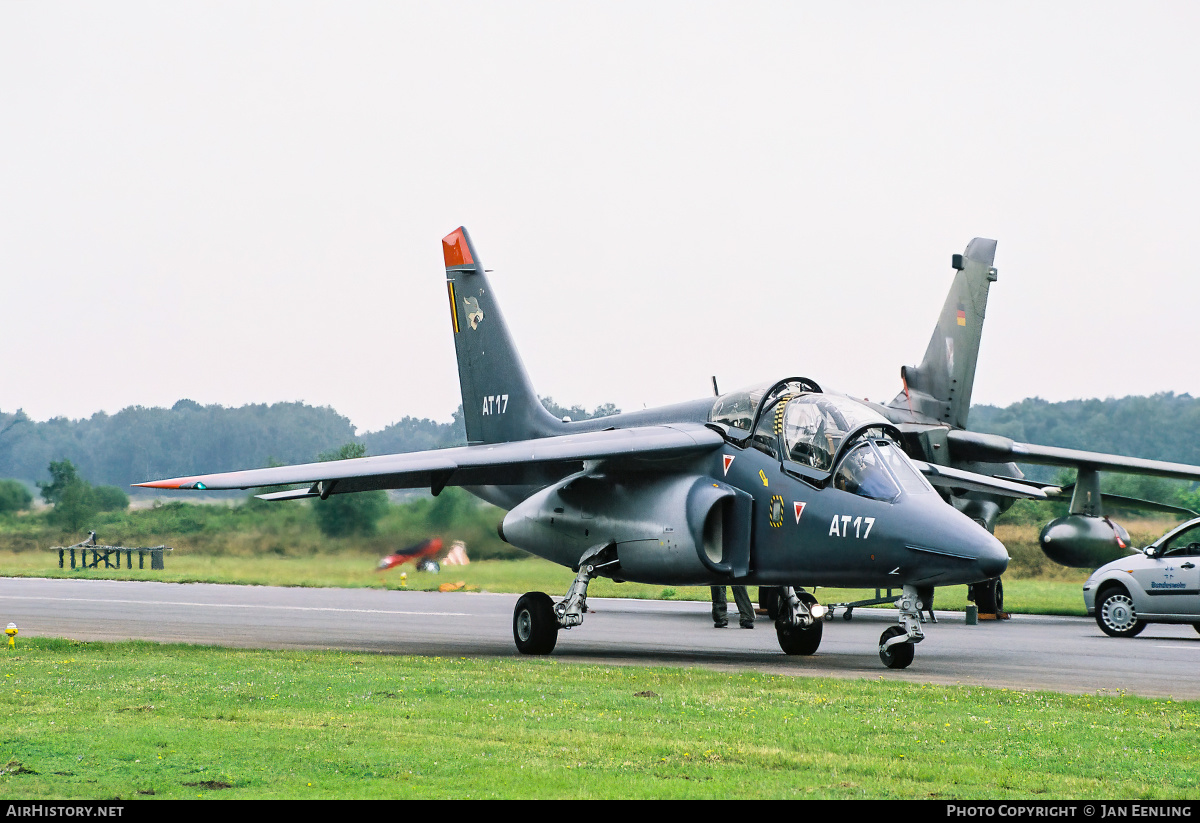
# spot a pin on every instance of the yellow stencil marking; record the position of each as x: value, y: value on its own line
x: 453, y: 307
x: 775, y: 513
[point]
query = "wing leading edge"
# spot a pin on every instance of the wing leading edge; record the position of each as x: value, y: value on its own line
x: 517, y: 463
x: 992, y: 448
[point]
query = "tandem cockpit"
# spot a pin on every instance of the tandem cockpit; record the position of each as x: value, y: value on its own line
x: 823, y: 439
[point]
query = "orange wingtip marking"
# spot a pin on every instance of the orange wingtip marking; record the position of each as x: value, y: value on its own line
x: 454, y: 249
x: 182, y: 483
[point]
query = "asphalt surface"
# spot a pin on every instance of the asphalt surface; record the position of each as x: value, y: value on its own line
x: 1066, y: 654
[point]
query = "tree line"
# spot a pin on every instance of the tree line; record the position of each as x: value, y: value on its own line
x: 140, y: 443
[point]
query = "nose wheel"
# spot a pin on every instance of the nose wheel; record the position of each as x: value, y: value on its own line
x: 897, y: 644
x: 900, y: 654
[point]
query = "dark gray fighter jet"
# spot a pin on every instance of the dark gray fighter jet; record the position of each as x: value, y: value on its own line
x: 931, y: 414
x: 778, y: 485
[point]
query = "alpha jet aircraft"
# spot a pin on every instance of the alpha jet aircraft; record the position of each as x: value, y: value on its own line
x: 780, y: 485
x: 931, y: 413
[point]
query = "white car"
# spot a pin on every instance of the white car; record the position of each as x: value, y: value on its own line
x: 1161, y: 584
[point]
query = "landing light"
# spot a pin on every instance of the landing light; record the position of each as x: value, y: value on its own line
x: 817, y: 611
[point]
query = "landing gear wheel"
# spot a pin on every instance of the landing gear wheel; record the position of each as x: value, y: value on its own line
x: 1116, y: 616
x: 768, y: 598
x: 535, y: 626
x: 899, y: 655
x: 800, y: 639
x: 989, y: 596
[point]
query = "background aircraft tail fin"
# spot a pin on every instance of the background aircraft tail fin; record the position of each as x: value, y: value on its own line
x: 940, y: 388
x: 499, y: 403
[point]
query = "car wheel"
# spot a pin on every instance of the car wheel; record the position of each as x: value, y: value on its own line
x: 1116, y: 616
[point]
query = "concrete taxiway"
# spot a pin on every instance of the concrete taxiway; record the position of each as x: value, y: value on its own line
x: 1067, y: 654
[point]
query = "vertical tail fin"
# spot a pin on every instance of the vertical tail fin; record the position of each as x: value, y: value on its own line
x: 499, y: 403
x: 940, y: 388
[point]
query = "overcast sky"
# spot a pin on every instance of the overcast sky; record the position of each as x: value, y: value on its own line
x: 243, y: 202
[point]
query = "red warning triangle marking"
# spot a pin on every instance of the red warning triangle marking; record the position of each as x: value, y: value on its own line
x: 799, y: 507
x: 727, y: 459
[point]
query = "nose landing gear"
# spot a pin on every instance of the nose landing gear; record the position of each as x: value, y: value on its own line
x: 897, y: 643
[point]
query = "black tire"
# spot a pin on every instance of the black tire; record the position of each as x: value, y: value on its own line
x: 768, y: 598
x: 1196, y: 626
x: 989, y: 596
x: 1115, y: 614
x: 535, y: 626
x: 801, y: 639
x: 898, y: 656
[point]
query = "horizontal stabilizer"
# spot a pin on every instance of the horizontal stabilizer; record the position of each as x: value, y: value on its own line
x: 519, y: 462
x: 946, y: 477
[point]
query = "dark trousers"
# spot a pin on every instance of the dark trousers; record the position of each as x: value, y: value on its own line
x: 720, y: 606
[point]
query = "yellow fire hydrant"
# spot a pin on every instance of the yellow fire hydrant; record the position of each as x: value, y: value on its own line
x: 11, y: 631
x: 403, y: 580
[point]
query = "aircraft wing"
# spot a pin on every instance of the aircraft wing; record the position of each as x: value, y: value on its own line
x: 1117, y: 500
x: 516, y: 463
x: 991, y: 448
x: 947, y: 477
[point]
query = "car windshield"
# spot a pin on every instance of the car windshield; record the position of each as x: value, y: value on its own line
x: 1184, y: 543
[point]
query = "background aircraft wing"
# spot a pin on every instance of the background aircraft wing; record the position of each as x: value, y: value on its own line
x: 946, y: 477
x: 991, y: 448
x: 520, y: 462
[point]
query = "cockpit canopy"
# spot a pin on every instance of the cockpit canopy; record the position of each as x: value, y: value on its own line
x: 738, y: 409
x: 809, y: 430
x: 814, y: 426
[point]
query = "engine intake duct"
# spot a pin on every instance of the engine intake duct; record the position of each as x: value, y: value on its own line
x: 679, y: 529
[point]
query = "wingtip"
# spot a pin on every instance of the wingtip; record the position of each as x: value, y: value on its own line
x: 172, y: 484
x: 456, y: 249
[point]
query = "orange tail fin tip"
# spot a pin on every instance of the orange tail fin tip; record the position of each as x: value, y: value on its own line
x: 455, y: 250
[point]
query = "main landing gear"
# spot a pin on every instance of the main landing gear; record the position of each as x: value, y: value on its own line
x: 537, y: 618
x: 799, y: 624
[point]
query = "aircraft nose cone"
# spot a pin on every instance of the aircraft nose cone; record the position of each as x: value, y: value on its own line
x: 992, y: 556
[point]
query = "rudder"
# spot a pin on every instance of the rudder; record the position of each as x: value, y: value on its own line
x: 940, y: 388
x: 499, y: 403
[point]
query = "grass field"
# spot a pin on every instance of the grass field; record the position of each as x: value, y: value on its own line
x: 137, y: 720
